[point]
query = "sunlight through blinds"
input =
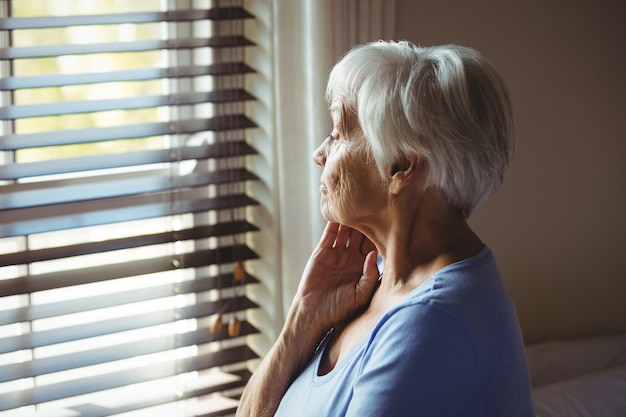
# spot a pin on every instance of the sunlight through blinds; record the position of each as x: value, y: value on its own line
x: 124, y: 207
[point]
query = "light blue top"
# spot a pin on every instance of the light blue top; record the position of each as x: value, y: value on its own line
x: 452, y: 348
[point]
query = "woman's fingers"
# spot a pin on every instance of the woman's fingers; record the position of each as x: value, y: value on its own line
x: 345, y: 242
x: 367, y: 246
x: 347, y: 236
x: 340, y: 276
x: 360, y: 242
x: 330, y: 235
x: 343, y: 236
x: 336, y: 235
x: 370, y: 266
x: 369, y: 280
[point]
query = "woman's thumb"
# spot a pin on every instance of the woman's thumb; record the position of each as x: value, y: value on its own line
x: 369, y: 279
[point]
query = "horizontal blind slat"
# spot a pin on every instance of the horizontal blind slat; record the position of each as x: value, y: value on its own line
x: 141, y: 74
x: 129, y: 323
x: 87, y: 248
x: 223, y: 13
x: 84, y: 189
x: 89, y: 410
x: 42, y: 219
x: 33, y: 283
x: 128, y: 103
x: 128, y: 159
x: 84, y: 304
x: 120, y: 351
x: 27, y: 52
x: 131, y: 131
x: 132, y: 322
x: 122, y: 378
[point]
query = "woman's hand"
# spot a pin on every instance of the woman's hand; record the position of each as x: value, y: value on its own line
x: 339, y: 279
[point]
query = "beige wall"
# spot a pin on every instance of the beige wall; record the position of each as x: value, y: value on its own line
x: 557, y: 226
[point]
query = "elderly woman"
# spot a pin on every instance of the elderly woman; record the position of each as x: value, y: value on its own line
x: 421, y: 137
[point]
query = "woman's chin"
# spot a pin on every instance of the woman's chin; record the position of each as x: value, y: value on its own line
x: 327, y: 213
x: 328, y: 217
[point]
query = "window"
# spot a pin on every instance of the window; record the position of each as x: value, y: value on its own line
x: 125, y: 207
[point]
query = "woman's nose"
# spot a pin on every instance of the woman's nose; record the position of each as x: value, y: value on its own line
x: 319, y: 156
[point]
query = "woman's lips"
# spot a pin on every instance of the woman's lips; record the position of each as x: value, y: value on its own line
x: 323, y: 188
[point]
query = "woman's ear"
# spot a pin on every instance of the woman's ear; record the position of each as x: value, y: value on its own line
x: 404, y: 172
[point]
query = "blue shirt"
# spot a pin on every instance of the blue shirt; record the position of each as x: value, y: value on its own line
x: 452, y: 348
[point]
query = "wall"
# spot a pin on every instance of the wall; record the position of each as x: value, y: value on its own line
x: 557, y: 225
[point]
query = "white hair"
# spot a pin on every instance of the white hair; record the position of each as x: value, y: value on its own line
x: 445, y: 104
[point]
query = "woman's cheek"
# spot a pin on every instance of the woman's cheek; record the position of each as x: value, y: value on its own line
x: 342, y: 194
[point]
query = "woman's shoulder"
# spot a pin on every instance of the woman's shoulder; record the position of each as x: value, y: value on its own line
x: 464, y: 284
x: 420, y: 336
x: 415, y: 321
x: 458, y: 297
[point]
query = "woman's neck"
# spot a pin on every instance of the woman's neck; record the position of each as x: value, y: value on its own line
x: 423, y: 237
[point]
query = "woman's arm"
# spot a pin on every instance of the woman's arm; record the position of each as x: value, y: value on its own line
x: 339, y: 280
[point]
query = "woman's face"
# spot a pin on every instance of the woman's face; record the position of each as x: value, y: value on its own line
x: 351, y: 187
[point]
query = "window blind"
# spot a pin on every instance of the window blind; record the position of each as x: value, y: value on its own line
x: 124, y: 207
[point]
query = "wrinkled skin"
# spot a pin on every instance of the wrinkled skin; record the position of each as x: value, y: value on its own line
x: 351, y: 187
x: 339, y: 277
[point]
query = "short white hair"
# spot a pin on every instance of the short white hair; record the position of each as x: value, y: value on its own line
x: 445, y: 104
